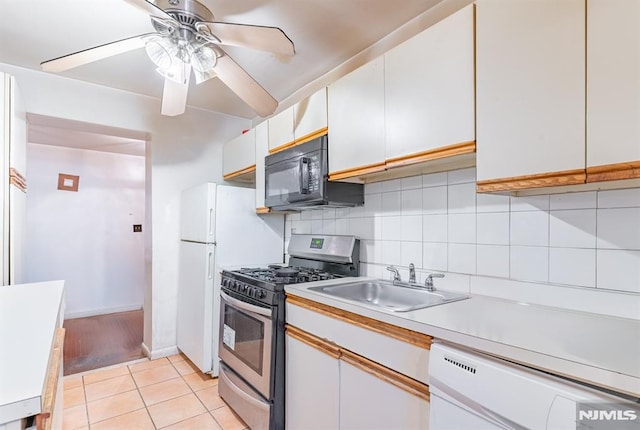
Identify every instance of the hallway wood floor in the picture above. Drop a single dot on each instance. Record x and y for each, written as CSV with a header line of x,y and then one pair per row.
x,y
102,340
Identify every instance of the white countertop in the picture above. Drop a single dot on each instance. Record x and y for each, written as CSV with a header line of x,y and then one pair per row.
x,y
28,320
597,349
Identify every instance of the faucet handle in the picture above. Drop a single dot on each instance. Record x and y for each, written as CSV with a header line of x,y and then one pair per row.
x,y
396,274
429,281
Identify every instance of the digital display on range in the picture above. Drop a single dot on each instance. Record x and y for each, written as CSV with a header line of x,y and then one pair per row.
x,y
317,243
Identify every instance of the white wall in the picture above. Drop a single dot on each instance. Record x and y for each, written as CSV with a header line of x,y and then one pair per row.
x,y
579,251
183,151
86,237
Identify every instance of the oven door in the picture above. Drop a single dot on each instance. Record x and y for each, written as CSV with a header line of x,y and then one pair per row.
x,y
294,180
245,341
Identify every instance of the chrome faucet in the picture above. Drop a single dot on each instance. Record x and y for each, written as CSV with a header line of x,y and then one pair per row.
x,y
428,283
396,274
412,273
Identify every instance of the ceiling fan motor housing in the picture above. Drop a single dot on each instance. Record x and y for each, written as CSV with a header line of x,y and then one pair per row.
x,y
186,12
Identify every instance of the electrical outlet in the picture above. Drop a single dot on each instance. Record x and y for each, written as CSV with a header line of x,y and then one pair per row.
x,y
137,228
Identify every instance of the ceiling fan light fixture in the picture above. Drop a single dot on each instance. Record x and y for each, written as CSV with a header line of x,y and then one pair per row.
x,y
203,58
177,72
159,51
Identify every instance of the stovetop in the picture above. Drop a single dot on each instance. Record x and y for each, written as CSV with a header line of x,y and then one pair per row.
x,y
287,275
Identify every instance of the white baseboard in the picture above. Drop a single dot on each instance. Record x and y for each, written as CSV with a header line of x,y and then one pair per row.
x,y
103,311
159,353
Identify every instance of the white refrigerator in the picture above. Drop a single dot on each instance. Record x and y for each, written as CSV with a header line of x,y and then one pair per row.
x,y
219,228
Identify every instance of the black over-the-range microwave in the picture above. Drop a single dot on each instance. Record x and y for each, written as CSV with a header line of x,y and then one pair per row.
x,y
297,178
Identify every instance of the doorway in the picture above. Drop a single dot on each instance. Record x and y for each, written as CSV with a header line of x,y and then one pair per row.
x,y
87,224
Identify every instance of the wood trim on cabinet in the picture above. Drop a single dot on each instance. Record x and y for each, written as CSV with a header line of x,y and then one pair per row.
x,y
313,341
412,337
263,210
300,140
614,172
432,154
44,419
240,172
410,385
357,171
17,179
552,179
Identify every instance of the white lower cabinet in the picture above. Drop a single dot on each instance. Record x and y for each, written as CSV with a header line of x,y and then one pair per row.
x,y
329,386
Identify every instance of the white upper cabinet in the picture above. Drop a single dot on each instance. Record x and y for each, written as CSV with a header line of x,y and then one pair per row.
x,y
613,82
262,150
356,119
530,89
310,116
281,130
429,88
239,158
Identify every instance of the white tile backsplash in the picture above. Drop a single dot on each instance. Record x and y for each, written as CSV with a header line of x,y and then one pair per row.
x,y
619,228
573,228
547,249
619,270
572,266
529,228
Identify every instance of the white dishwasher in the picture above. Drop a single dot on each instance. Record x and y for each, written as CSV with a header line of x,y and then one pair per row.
x,y
474,391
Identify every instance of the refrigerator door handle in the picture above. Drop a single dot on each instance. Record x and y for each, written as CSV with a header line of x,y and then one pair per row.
x,y
210,268
211,221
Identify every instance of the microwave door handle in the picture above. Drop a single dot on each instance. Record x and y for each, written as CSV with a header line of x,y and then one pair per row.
x,y
304,175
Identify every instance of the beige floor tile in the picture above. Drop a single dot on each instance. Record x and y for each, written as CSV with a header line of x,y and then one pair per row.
x,y
210,398
72,381
74,417
200,381
73,397
155,375
156,393
177,357
227,419
176,410
201,422
113,406
185,367
109,387
101,375
137,420
145,365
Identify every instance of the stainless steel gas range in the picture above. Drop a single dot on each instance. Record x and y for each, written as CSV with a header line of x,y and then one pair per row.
x,y
252,321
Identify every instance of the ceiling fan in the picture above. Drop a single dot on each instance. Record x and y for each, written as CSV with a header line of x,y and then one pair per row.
x,y
188,39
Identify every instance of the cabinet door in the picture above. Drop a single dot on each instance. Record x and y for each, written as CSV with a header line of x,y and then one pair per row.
x,y
613,89
310,117
429,90
262,150
239,157
356,119
369,402
312,385
281,130
530,83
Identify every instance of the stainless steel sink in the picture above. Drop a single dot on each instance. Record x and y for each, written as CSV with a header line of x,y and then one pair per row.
x,y
397,297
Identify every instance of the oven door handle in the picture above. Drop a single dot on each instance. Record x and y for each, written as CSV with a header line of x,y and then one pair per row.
x,y
245,306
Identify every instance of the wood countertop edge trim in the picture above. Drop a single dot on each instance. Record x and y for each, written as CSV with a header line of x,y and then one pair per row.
x,y
357,171
432,154
409,336
614,172
299,141
551,179
240,172
43,420
399,380
328,348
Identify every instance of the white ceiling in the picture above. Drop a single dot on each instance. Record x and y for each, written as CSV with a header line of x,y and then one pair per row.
x,y
326,33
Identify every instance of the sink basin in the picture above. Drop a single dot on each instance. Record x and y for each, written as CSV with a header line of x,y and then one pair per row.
x,y
390,296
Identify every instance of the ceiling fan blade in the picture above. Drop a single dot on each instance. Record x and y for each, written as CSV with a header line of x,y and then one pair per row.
x,y
245,86
270,39
96,53
174,96
150,8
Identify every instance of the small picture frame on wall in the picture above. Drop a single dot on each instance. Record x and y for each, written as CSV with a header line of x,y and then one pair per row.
x,y
68,182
